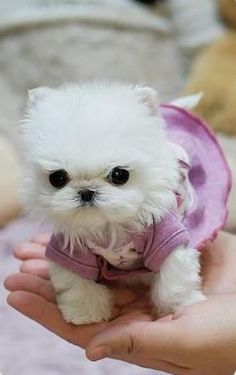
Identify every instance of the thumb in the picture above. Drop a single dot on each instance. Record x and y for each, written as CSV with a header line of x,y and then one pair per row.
x,y
157,340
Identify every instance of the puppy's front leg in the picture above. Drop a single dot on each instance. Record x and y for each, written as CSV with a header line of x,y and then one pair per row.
x,y
178,283
81,301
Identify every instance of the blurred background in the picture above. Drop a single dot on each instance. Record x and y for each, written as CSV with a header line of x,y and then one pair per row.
x,y
177,46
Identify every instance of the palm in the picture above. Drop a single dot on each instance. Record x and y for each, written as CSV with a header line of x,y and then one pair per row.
x,y
34,297
33,294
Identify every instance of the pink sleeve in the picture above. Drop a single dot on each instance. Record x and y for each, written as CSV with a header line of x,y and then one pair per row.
x,y
82,262
163,238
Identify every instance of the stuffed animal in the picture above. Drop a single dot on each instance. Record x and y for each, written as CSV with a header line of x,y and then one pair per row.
x,y
10,179
214,72
228,11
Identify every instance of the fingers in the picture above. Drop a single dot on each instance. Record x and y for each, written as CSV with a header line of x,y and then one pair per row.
x,y
136,344
40,310
36,267
150,340
140,361
47,314
33,257
29,250
34,249
42,238
30,283
159,365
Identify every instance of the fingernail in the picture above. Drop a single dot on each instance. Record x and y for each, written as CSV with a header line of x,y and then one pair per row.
x,y
98,353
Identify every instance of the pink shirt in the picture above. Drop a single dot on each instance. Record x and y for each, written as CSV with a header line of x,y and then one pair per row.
x,y
207,176
151,247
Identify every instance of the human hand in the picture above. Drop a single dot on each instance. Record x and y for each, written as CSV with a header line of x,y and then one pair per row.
x,y
198,339
33,295
134,317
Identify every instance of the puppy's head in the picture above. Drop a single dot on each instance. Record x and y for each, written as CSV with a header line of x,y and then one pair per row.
x,y
97,154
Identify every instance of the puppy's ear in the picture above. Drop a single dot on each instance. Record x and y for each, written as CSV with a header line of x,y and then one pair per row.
x,y
38,94
148,96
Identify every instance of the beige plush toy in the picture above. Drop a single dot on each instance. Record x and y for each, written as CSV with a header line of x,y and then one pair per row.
x,y
228,11
10,179
214,73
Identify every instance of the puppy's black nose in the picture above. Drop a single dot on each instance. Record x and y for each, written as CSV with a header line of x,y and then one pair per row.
x,y
87,195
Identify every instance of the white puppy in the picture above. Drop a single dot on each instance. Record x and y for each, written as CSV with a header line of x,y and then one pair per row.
x,y
100,167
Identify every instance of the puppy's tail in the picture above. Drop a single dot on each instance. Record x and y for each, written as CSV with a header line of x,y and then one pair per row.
x,y
188,102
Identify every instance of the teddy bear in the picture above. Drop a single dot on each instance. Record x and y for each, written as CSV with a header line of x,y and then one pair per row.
x,y
213,72
10,181
228,12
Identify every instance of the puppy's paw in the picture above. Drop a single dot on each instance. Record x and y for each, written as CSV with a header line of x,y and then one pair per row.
x,y
194,297
165,307
81,308
162,308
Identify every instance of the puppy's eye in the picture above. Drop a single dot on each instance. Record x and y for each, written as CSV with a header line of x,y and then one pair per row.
x,y
59,178
118,176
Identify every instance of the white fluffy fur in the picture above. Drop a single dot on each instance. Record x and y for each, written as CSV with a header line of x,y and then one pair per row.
x,y
87,130
178,282
81,301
